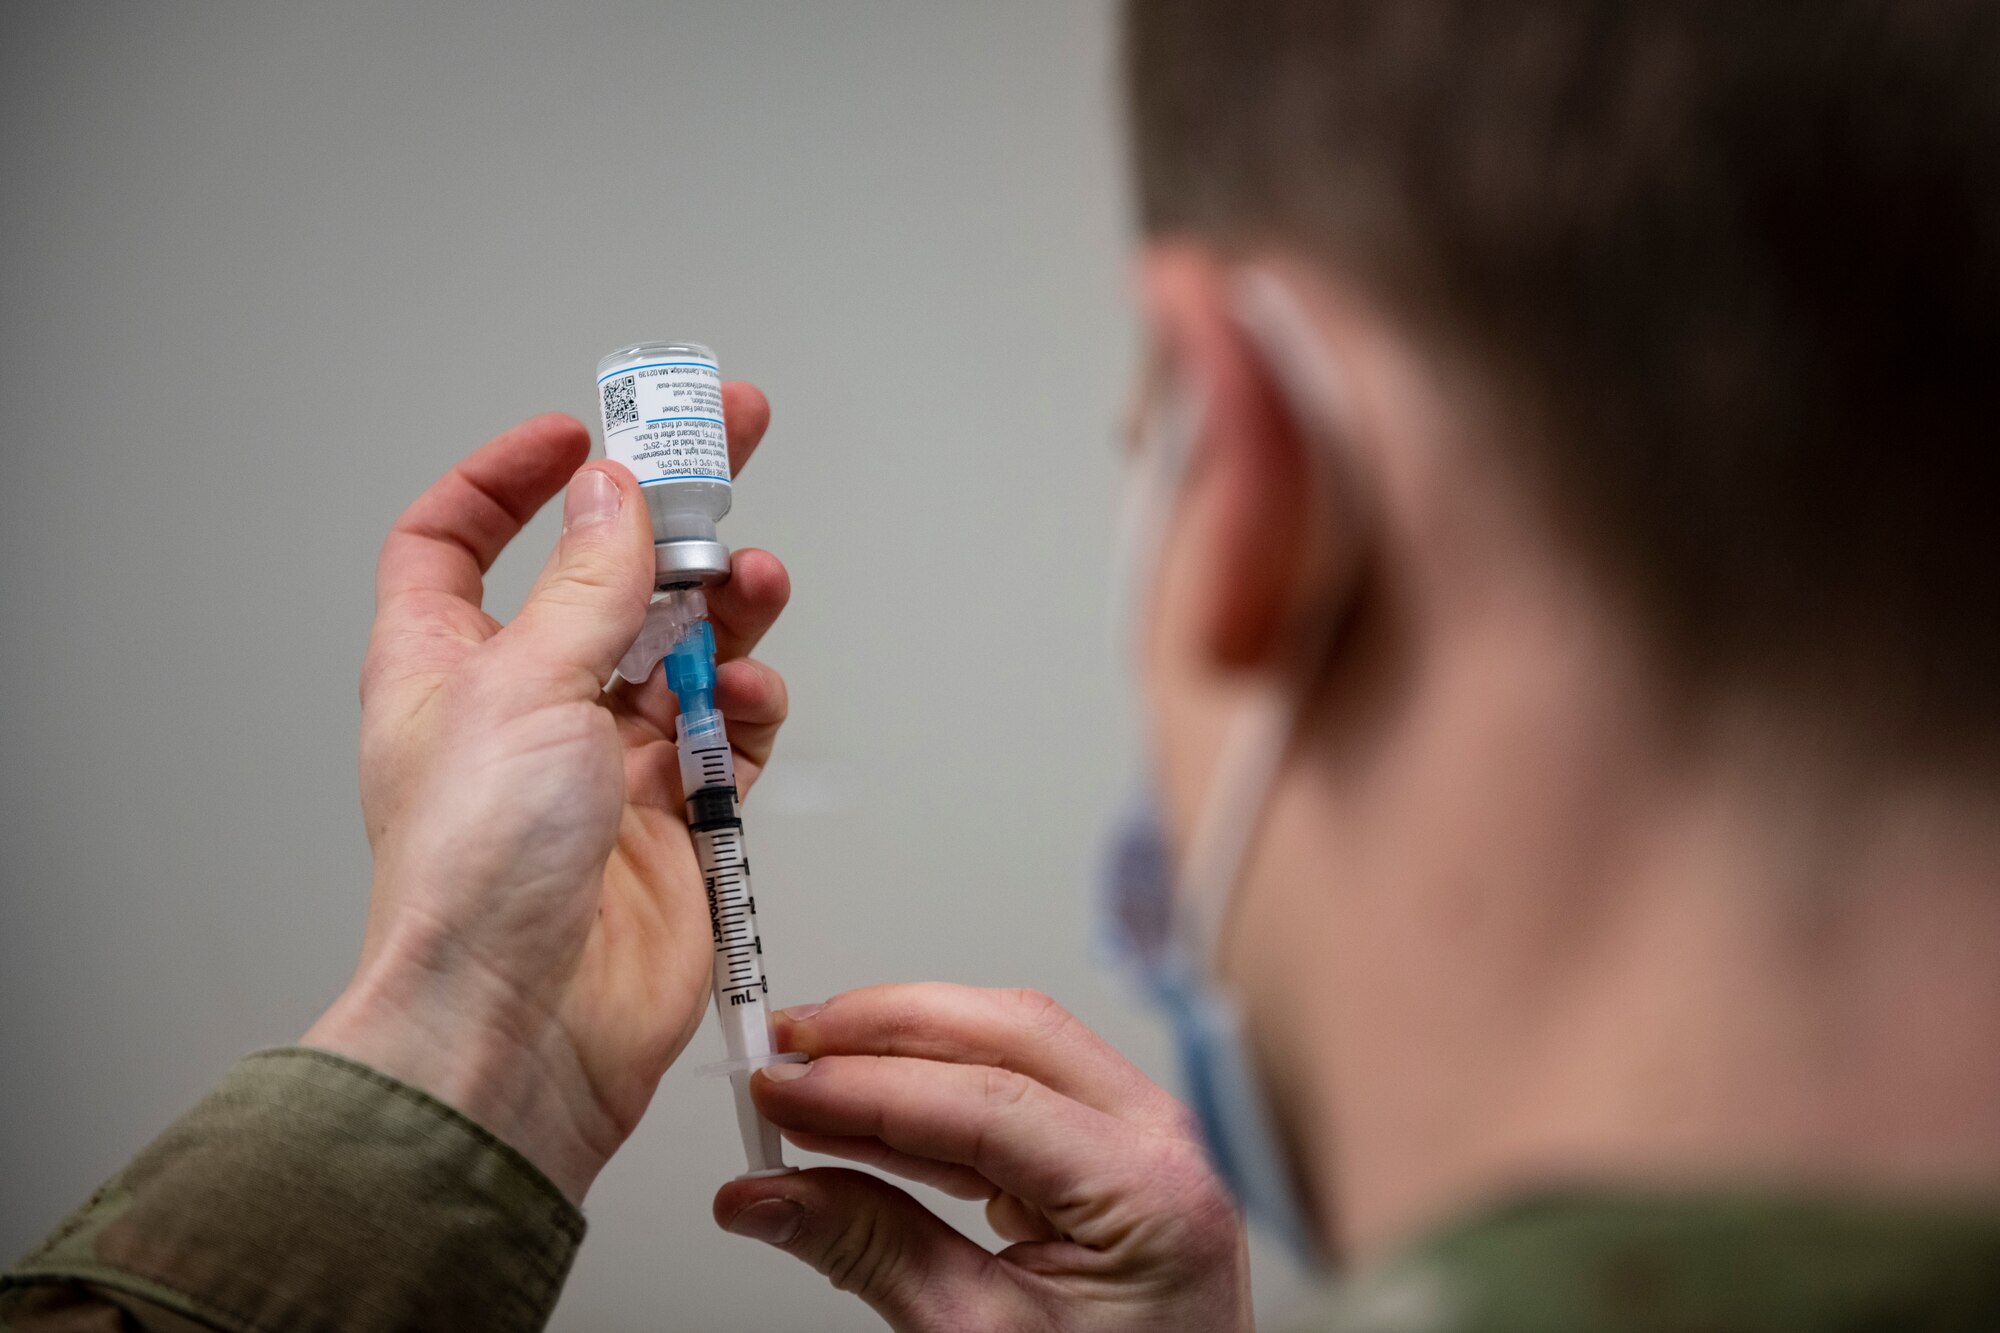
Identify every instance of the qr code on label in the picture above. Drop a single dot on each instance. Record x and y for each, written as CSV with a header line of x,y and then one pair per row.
x,y
621,401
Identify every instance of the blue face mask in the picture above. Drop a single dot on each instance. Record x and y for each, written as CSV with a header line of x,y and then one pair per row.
x,y
1219,1081
1162,914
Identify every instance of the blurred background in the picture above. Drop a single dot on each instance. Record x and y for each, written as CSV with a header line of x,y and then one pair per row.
x,y
270,268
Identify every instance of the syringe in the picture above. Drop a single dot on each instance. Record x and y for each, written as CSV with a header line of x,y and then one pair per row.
x,y
662,411
708,778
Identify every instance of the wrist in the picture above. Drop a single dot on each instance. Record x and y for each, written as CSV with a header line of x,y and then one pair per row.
x,y
511,1070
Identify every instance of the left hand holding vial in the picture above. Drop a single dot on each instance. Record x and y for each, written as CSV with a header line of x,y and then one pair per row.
x,y
537,949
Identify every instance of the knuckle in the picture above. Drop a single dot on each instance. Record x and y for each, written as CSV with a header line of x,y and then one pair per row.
x,y
1183,1171
864,1256
1001,1088
903,1018
1041,1013
1205,1216
781,695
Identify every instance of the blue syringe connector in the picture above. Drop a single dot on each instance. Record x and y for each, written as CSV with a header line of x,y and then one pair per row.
x,y
691,670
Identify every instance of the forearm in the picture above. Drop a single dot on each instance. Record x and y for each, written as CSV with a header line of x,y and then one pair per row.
x,y
308,1192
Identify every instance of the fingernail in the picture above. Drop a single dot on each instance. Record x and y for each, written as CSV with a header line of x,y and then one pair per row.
x,y
785,1073
773,1221
592,498
799,1013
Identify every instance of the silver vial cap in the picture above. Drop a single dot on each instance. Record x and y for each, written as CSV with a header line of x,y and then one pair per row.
x,y
689,561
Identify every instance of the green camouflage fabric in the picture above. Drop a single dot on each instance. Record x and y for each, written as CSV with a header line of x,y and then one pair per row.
x,y
306,1193
1693,1264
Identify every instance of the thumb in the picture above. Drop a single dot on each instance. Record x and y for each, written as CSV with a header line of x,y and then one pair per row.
x,y
588,605
870,1238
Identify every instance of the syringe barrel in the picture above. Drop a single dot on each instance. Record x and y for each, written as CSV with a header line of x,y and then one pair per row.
x,y
708,776
661,406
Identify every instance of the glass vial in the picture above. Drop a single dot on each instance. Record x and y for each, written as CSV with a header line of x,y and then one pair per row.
x,y
662,412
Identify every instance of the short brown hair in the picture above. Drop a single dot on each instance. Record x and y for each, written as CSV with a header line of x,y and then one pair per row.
x,y
1735,265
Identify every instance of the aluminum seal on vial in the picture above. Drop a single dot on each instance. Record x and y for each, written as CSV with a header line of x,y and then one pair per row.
x,y
662,411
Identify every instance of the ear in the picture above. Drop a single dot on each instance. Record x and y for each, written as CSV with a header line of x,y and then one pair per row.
x,y
1265,548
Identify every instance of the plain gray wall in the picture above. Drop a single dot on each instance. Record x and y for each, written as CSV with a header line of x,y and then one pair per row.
x,y
270,267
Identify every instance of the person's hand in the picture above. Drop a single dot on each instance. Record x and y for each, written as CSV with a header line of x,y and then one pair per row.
x,y
1092,1171
538,947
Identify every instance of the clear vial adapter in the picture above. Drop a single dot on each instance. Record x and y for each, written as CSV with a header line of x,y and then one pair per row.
x,y
661,406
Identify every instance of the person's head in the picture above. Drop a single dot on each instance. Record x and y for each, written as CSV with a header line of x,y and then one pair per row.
x,y
1596,405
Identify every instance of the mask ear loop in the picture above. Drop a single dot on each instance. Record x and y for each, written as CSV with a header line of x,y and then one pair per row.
x,y
1238,797
1151,500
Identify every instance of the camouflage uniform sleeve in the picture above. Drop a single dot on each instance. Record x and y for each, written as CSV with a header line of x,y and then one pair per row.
x,y
306,1192
1719,1261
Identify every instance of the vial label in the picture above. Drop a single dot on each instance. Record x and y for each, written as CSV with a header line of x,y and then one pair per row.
x,y
663,420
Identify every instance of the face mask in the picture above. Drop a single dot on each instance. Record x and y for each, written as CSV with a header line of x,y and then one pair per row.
x,y
1164,915
1218,1079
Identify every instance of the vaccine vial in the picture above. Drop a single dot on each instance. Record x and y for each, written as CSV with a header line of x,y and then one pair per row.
x,y
662,409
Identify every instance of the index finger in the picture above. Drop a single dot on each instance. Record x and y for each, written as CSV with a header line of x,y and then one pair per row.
x,y
1018,1134
451,534
742,609
746,414
1020,1030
